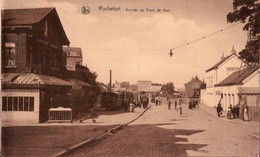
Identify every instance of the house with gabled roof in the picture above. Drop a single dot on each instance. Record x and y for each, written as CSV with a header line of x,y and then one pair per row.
x,y
33,65
193,87
242,84
215,74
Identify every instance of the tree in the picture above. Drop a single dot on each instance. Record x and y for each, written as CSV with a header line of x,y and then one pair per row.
x,y
125,84
168,87
247,11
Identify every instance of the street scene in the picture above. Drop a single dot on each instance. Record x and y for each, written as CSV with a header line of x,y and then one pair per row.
x,y
130,78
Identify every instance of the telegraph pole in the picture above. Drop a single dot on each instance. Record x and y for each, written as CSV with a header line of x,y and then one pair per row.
x,y
110,81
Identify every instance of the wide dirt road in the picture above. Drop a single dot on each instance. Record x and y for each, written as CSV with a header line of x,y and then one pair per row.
x,y
162,132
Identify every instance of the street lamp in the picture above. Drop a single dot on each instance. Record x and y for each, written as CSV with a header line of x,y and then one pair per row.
x,y
170,53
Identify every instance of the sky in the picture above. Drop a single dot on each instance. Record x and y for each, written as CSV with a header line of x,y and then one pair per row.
x,y
136,45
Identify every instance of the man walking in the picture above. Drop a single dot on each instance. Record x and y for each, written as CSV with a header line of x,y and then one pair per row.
x,y
219,109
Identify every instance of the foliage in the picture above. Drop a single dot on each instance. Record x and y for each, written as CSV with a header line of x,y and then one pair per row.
x,y
168,88
125,84
248,12
84,99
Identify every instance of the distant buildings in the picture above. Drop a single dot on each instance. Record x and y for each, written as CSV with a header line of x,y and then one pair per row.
x,y
156,88
193,87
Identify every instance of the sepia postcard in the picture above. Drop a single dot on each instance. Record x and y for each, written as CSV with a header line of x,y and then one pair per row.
x,y
130,78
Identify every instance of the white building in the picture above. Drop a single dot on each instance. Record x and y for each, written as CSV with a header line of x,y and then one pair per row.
x,y
240,81
217,73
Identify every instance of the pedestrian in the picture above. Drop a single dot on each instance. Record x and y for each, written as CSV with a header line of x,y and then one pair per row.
x,y
169,104
219,109
132,107
245,116
175,105
179,108
190,105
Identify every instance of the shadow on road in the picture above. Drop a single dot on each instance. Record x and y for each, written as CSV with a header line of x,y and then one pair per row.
x,y
144,140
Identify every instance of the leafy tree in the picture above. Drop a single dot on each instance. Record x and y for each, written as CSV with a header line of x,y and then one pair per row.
x,y
125,84
247,11
168,88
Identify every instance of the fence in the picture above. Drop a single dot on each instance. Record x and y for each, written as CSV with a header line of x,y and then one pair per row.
x,y
60,114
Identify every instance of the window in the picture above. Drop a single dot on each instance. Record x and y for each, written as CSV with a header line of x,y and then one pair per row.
x,y
4,104
10,55
18,103
10,103
26,104
15,103
31,104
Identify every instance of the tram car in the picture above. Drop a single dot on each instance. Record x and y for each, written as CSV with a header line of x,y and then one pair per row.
x,y
116,100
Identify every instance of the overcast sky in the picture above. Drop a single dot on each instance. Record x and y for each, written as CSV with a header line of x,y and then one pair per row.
x,y
135,45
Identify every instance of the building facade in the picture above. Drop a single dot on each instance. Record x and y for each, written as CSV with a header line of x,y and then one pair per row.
x,y
243,83
227,65
73,57
193,87
33,64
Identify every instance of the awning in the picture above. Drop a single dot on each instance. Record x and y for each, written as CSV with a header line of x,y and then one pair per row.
x,y
248,91
31,79
76,84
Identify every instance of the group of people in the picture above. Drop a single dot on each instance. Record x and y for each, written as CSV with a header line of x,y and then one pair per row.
x,y
179,108
158,101
193,104
234,111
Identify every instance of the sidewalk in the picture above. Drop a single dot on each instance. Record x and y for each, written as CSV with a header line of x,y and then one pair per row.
x,y
213,112
55,139
113,119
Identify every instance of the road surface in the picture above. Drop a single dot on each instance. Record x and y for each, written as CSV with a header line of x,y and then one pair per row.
x,y
162,132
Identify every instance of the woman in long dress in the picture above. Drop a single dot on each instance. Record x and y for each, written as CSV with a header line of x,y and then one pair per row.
x,y
245,113
179,109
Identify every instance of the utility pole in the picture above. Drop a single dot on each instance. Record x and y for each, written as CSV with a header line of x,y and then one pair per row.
x,y
110,81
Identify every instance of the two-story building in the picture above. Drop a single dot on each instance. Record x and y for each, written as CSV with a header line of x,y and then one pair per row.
x,y
242,84
214,75
33,64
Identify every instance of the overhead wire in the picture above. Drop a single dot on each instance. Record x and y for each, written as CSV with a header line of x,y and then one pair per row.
x,y
204,37
181,45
